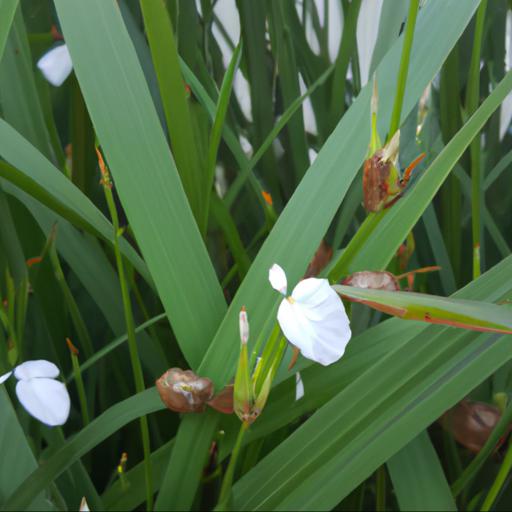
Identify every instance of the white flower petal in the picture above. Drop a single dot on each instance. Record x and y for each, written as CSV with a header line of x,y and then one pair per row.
x,y
56,65
277,278
4,377
315,321
84,506
244,326
299,387
45,399
35,369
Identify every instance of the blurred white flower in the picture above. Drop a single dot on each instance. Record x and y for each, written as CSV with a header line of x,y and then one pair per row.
x,y
312,318
56,65
299,387
43,397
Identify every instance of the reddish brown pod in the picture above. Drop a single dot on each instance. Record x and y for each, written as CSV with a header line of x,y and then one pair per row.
x,y
373,280
471,423
184,391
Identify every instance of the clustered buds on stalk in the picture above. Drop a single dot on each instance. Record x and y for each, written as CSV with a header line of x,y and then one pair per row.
x,y
383,183
251,391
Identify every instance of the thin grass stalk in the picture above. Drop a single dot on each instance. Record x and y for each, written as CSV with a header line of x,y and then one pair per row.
x,y
497,485
472,99
130,329
82,397
380,499
404,68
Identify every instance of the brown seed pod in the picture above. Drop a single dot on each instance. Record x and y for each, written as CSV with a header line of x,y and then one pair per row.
x,y
376,175
183,391
373,280
471,423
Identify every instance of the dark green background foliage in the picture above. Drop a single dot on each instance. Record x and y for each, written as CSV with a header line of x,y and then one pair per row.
x,y
153,88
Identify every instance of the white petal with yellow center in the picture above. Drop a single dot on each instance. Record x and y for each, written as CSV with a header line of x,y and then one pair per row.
x,y
314,320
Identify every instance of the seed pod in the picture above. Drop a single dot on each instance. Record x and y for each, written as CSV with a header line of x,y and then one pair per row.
x,y
471,423
183,391
376,176
373,280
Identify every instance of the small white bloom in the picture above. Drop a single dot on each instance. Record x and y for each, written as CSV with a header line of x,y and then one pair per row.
x,y
84,506
43,397
313,318
56,65
244,326
277,279
299,387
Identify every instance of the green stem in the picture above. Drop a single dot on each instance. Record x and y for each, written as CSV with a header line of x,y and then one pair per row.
x,y
132,345
472,99
380,501
227,483
79,386
404,68
500,479
341,267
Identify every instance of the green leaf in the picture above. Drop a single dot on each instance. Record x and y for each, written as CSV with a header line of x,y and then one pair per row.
x,y
34,174
98,430
8,9
418,478
18,460
172,91
474,315
128,129
19,97
218,123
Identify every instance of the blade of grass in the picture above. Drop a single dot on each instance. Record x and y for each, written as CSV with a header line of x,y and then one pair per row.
x,y
404,67
138,376
172,91
112,81
218,123
19,97
418,477
8,8
33,173
472,100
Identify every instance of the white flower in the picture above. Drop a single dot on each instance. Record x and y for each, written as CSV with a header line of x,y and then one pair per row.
x,y
43,397
56,65
313,318
299,387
